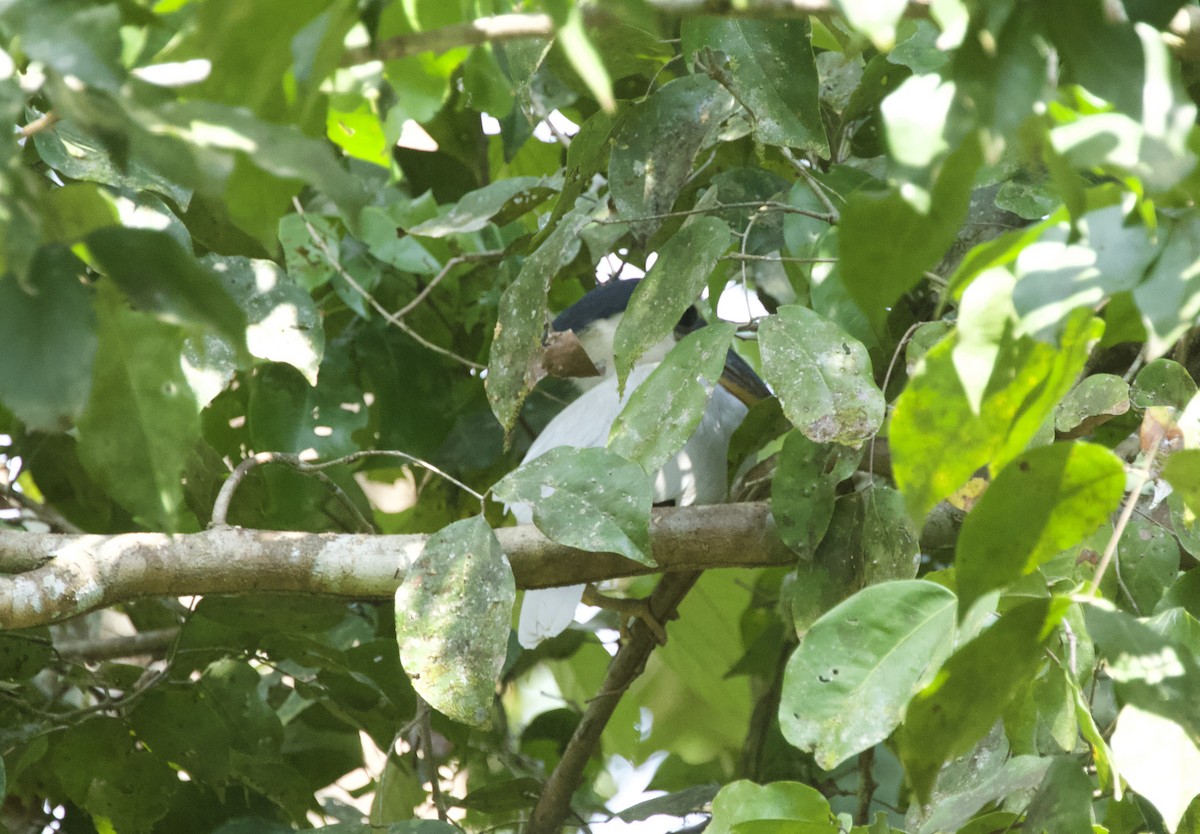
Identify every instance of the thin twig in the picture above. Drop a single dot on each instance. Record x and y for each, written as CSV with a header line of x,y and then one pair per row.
x,y
42,512
43,122
813,184
554,805
127,645
1141,476
225,496
761,205
866,785
887,377
425,734
319,242
775,259
466,257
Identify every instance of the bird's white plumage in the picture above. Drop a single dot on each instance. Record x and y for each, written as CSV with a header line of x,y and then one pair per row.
x,y
694,475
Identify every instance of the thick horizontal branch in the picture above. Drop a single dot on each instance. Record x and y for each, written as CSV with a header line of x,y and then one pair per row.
x,y
52,577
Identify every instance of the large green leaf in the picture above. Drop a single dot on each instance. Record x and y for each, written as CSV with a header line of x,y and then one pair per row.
x,y
846,687
51,332
769,66
453,611
822,377
499,202
671,286
786,806
591,499
1162,382
645,171
1041,503
512,364
665,410
804,488
969,692
1169,298
1025,383
142,418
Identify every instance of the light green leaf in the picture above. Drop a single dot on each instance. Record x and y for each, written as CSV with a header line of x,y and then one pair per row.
x,y
1095,400
1169,298
951,811
804,487
665,410
387,241
142,419
1159,760
1183,473
1063,802
585,58
1025,385
780,803
822,377
845,689
453,611
769,66
591,499
1163,382
645,172
1041,503
499,202
684,265
971,690
522,321
51,341
284,324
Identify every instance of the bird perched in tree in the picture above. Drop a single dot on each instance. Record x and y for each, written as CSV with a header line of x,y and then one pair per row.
x,y
696,474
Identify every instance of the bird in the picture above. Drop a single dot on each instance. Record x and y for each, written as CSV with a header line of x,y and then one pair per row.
x,y
695,475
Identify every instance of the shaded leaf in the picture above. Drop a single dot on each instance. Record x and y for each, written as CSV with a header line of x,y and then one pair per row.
x,y
822,377
1092,402
453,611
1162,382
845,689
804,487
500,202
591,499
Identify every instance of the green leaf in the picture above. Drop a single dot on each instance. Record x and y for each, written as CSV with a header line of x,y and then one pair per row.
x,y
453,611
1159,759
1162,382
1063,802
585,58
890,541
500,202
664,411
877,19
1056,275
47,372
951,811
969,692
769,66
284,324
804,488
846,688
1149,558
512,364
591,499
287,414
1169,298
1151,672
1025,384
822,377
161,278
780,803
1094,401
684,265
1183,473
74,39
646,173
142,419
1041,503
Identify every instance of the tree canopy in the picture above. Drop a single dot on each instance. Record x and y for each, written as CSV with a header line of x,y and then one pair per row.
x,y
275,279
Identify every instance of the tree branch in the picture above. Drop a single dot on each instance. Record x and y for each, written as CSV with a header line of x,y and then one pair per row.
x,y
54,577
554,803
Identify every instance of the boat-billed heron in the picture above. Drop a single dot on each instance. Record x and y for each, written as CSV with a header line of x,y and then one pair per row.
x,y
695,475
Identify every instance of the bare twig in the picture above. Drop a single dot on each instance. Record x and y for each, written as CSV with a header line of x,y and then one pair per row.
x,y
866,786
319,242
814,186
554,805
42,512
887,377
151,642
760,205
424,724
466,257
777,259
43,122
225,496
1141,476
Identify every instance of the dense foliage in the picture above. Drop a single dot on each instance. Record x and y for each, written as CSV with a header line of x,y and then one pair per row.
x,y
228,228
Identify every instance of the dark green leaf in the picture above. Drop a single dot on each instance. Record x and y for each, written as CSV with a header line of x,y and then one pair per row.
x,y
769,66
664,411
1041,503
822,377
591,499
1093,401
804,487
453,611
1162,382
47,373
671,286
846,687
